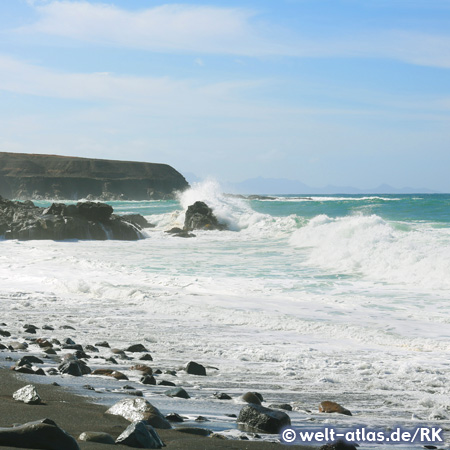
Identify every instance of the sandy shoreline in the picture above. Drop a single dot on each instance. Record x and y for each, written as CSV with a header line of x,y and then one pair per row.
x,y
75,415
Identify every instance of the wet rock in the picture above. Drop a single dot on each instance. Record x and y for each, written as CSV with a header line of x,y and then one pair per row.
x,y
74,367
166,383
221,396
43,434
5,333
96,436
69,341
157,372
48,327
146,357
102,344
177,392
252,397
52,371
29,360
142,368
136,348
140,435
201,419
18,345
158,421
110,373
174,417
148,379
194,368
91,348
49,351
138,220
67,327
258,418
43,343
200,216
23,369
111,360
332,407
119,353
30,330
3,347
283,406
28,395
133,409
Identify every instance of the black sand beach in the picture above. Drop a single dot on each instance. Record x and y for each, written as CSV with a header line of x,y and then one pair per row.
x,y
75,415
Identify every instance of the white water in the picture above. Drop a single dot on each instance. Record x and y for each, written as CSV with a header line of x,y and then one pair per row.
x,y
353,310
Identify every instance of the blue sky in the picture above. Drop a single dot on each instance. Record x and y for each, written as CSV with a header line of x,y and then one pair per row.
x,y
324,91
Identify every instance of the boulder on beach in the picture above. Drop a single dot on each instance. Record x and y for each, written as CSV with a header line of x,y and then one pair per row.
x,y
44,434
140,435
258,418
28,395
333,407
97,436
134,409
136,348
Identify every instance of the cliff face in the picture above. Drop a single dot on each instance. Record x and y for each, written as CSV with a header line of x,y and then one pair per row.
x,y
30,176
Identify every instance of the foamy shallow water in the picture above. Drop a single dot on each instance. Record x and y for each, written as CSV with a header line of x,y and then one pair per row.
x,y
351,308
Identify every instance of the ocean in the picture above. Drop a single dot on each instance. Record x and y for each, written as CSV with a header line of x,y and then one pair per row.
x,y
305,299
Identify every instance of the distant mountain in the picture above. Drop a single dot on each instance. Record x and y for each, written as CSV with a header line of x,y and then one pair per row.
x,y
280,186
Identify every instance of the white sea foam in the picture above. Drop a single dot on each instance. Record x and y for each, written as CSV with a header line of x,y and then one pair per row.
x,y
370,246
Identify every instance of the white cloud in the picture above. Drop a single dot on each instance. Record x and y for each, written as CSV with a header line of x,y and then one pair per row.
x,y
222,30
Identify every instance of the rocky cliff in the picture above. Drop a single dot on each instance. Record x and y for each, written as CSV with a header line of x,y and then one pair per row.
x,y
30,176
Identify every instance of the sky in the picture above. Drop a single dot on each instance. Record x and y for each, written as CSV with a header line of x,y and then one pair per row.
x,y
341,92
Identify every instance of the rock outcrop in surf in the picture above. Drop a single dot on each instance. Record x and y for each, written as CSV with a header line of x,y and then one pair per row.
x,y
32,176
88,220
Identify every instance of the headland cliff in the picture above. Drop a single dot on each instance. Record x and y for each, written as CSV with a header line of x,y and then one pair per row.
x,y
33,176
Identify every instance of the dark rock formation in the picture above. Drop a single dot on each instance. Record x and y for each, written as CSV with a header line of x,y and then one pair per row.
x,y
200,216
40,434
88,220
252,397
31,176
259,418
194,368
140,435
97,436
177,392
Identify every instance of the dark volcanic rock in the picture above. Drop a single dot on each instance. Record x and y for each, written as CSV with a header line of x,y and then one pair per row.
x,y
26,176
177,392
86,220
140,435
40,434
194,368
97,436
74,367
258,418
252,397
136,348
200,216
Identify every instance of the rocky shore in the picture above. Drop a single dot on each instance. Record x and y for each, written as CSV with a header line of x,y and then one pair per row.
x,y
38,361
85,220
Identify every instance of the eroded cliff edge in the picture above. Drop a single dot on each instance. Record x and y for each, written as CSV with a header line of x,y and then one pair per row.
x,y
32,176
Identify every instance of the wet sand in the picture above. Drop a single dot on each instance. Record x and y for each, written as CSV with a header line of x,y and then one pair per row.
x,y
75,414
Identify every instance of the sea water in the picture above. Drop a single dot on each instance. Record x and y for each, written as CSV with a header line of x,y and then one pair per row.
x,y
304,299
